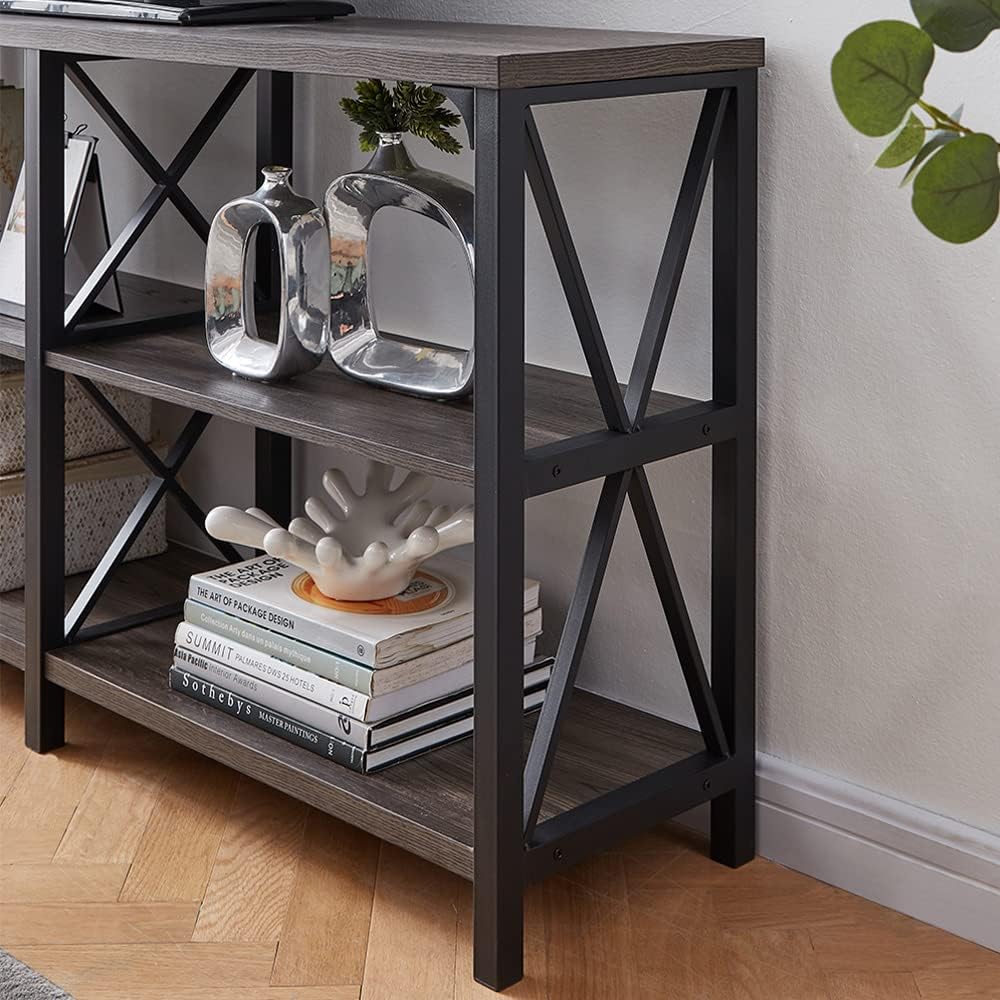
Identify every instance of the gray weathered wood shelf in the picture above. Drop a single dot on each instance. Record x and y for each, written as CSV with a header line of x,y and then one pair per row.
x,y
458,55
147,303
424,805
325,407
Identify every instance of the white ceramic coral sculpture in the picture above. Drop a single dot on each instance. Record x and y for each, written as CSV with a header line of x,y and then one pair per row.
x,y
363,547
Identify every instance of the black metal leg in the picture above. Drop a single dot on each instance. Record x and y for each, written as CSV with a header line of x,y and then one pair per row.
x,y
275,141
499,548
734,465
44,402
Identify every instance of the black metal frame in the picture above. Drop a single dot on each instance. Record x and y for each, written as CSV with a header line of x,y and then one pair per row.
x,y
511,845
44,396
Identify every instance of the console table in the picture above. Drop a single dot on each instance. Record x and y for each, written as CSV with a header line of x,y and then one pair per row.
x,y
536,796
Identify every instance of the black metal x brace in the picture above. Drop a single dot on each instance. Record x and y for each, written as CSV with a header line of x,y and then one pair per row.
x,y
624,414
164,481
166,179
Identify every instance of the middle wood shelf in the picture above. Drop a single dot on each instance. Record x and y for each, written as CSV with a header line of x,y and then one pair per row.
x,y
327,408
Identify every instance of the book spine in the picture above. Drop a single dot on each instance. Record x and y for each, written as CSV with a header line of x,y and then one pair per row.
x,y
272,671
294,706
263,718
235,602
316,661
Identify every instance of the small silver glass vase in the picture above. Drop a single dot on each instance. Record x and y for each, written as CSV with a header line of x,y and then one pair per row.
x,y
304,253
357,346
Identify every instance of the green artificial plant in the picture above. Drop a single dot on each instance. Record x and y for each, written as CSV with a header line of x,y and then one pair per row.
x,y
879,76
402,108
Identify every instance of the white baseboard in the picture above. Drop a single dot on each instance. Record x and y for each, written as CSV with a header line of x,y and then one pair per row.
x,y
934,869
916,862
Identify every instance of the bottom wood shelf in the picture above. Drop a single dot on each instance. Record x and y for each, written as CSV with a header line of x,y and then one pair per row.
x,y
424,805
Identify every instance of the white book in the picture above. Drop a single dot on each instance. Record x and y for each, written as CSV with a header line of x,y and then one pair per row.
x,y
360,734
366,680
321,690
434,611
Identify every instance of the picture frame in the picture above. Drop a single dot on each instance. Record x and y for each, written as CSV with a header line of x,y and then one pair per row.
x,y
11,142
87,234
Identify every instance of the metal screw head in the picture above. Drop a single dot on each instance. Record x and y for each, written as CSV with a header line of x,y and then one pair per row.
x,y
707,784
556,470
706,429
558,854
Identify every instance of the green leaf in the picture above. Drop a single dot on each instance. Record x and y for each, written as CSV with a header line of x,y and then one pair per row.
x,y
957,25
879,74
957,195
938,141
905,146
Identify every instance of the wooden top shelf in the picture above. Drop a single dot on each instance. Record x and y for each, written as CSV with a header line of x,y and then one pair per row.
x,y
461,55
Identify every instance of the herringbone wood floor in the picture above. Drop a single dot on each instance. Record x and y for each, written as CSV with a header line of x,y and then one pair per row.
x,y
133,869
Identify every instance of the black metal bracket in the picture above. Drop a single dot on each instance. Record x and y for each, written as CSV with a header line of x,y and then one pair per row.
x,y
163,481
166,180
620,454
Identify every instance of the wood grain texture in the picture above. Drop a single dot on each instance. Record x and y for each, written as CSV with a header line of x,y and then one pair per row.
x,y
116,805
469,55
774,965
96,923
675,947
877,986
411,949
180,842
324,939
254,873
143,300
45,794
902,945
645,922
222,993
13,752
978,981
80,969
11,346
327,408
51,883
586,935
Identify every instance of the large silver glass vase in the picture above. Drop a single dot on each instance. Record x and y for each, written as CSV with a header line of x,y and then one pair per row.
x,y
304,252
359,348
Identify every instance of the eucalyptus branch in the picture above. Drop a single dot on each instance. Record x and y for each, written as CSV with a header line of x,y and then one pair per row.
x,y
942,121
879,77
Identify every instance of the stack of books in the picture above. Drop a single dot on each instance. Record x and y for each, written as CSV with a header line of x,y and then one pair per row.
x,y
366,684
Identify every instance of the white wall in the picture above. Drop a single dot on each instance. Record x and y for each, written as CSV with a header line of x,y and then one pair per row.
x,y
879,365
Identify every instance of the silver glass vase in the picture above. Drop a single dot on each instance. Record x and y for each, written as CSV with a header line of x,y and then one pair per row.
x,y
392,180
304,253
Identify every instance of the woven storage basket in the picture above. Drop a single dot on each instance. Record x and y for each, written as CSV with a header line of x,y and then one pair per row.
x,y
100,493
87,432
